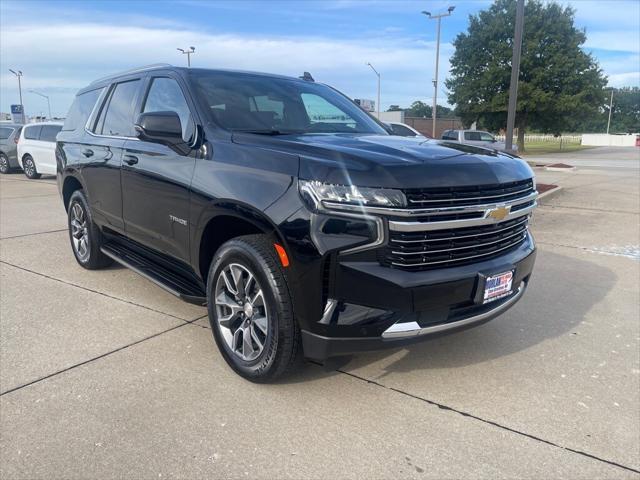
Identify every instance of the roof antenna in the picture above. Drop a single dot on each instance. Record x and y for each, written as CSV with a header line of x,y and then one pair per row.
x,y
307,76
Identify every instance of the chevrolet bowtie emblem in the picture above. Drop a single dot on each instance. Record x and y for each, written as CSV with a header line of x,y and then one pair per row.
x,y
498,214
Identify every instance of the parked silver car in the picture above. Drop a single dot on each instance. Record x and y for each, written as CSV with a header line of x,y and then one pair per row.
x,y
9,135
475,137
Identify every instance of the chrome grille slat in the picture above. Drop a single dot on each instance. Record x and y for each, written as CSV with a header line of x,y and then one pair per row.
x,y
456,237
426,252
459,259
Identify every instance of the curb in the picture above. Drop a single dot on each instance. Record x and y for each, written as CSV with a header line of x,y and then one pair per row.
x,y
550,193
560,169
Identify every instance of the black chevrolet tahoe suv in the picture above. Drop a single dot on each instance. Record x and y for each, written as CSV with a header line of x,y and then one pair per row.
x,y
305,227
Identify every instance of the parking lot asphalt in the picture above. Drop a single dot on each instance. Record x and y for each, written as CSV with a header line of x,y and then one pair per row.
x,y
103,374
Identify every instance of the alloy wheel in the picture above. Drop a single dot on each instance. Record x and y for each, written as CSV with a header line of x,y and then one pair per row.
x,y
79,232
4,164
29,167
241,311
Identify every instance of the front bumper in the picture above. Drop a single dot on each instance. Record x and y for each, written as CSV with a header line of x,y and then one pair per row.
x,y
378,307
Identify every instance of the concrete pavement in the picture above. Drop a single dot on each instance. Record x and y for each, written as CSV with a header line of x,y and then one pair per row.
x,y
599,158
103,374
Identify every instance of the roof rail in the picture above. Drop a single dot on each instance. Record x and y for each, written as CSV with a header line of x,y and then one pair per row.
x,y
133,70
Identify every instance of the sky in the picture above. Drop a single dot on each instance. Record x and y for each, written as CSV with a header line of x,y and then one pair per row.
x,y
62,46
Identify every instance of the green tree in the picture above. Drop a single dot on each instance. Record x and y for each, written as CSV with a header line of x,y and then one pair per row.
x,y
625,115
418,109
559,84
421,109
394,108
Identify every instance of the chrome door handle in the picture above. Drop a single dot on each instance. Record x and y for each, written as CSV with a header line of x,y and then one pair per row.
x,y
130,159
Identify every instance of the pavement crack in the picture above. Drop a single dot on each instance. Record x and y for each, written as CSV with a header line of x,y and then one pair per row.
x,y
589,209
103,355
32,234
97,292
490,422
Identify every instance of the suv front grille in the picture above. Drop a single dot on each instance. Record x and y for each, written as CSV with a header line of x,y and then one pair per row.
x,y
459,225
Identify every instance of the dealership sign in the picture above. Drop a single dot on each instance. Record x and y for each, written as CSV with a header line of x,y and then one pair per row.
x,y
17,113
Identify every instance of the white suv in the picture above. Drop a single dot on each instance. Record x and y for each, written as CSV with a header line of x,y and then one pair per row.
x,y
37,149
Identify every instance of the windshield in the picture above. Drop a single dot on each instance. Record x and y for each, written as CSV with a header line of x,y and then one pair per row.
x,y
269,105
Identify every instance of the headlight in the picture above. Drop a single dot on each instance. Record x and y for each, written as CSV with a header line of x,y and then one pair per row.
x,y
324,194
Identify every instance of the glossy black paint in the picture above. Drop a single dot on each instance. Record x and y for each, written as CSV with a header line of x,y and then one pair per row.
x,y
161,201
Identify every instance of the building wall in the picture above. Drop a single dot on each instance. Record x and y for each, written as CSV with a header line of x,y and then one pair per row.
x,y
391,116
424,125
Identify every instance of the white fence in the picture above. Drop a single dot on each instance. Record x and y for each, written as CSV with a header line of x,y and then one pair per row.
x,y
537,138
604,140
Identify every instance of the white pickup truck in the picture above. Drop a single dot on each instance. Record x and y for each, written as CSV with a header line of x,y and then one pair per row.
x,y
475,137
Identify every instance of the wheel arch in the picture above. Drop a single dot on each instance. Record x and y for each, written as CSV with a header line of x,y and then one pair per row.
x,y
222,225
71,184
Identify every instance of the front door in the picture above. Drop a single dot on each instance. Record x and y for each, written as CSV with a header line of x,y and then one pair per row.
x,y
156,179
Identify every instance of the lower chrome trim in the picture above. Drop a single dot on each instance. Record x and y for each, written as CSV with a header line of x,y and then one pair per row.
x,y
413,329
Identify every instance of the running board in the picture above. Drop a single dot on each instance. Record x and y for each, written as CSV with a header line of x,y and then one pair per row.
x,y
179,286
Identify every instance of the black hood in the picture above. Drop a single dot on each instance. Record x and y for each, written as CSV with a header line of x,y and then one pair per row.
x,y
392,161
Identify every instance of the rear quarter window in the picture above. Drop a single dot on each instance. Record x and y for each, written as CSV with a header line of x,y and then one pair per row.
x,y
81,109
32,133
5,132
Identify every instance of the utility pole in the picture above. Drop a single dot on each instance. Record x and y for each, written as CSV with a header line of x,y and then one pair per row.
x,y
610,108
188,54
19,75
378,104
45,96
515,73
435,80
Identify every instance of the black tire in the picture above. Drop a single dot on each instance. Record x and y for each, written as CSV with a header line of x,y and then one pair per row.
x,y
29,167
90,257
4,164
281,344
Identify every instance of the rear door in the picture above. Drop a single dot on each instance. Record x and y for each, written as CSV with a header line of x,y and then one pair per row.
x,y
156,178
109,131
47,146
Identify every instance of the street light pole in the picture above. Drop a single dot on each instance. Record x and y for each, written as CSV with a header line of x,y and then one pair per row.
x,y
610,108
188,54
378,104
515,73
19,75
435,80
45,96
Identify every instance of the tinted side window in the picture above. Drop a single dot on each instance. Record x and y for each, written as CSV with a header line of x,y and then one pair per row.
x,y
32,133
473,136
402,131
165,95
5,132
81,109
49,132
119,117
450,136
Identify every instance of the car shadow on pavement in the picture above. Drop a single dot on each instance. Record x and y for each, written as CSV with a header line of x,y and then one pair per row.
x,y
562,290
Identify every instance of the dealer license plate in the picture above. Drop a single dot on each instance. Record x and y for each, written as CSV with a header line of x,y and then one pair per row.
x,y
498,286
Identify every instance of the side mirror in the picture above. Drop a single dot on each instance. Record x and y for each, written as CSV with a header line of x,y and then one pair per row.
x,y
159,127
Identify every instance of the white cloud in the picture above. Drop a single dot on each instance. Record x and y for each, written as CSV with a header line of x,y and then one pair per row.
x,y
72,55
